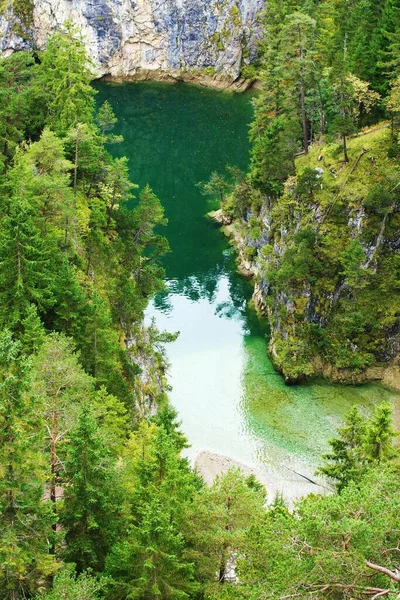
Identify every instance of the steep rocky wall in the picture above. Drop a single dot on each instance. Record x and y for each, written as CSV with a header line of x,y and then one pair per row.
x,y
135,38
324,257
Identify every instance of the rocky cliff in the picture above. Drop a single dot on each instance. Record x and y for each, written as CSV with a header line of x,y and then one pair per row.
x,y
140,39
325,262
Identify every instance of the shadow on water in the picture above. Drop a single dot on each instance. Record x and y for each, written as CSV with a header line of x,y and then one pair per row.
x,y
229,397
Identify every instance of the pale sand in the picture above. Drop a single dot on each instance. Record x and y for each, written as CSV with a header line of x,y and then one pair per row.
x,y
292,485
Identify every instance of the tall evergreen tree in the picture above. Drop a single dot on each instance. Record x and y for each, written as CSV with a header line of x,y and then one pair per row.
x,y
149,562
15,76
346,461
91,511
218,520
26,265
62,85
380,435
62,386
25,517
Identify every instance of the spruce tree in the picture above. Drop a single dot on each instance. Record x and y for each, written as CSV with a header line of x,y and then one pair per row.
x,y
346,461
15,76
25,516
379,435
149,562
91,504
62,85
26,265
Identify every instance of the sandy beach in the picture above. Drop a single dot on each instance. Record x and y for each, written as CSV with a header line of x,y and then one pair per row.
x,y
291,484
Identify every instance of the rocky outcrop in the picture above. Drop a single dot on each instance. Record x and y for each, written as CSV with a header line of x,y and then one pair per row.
x,y
137,39
325,264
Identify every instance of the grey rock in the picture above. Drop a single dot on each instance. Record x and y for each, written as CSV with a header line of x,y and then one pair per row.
x,y
128,37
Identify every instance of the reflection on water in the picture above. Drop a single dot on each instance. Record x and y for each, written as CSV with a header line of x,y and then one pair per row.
x,y
230,399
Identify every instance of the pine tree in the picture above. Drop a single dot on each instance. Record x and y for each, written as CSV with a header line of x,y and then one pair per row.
x,y
298,33
141,248
25,518
32,331
346,461
379,435
15,75
26,265
149,562
101,346
62,387
218,520
91,504
62,85
40,174
275,130
166,418
113,420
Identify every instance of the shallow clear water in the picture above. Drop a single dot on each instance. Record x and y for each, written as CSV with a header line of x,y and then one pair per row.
x,y
230,399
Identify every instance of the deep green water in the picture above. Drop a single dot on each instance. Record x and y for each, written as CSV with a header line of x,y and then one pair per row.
x,y
230,399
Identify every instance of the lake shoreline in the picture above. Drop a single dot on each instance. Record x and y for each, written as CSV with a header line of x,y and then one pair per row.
x,y
210,465
215,81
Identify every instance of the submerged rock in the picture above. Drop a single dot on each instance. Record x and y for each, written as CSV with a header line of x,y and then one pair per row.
x,y
149,39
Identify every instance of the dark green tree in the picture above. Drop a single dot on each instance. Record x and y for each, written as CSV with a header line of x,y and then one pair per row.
x,y
91,510
15,76
25,517
62,84
346,462
149,562
26,265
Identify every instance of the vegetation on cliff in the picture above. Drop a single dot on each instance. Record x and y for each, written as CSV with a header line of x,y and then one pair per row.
x,y
319,209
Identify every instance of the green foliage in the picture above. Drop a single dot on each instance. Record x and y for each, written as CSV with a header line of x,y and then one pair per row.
x,y
361,443
322,548
346,462
91,509
62,87
149,561
15,77
379,435
67,586
219,518
25,519
26,265
79,258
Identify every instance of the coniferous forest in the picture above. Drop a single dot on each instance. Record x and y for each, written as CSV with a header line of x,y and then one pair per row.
x,y
96,500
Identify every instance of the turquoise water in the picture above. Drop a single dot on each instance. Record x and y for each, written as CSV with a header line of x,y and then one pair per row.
x,y
230,399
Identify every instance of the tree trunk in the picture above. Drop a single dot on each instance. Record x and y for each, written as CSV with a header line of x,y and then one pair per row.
x,y
303,99
76,162
53,460
346,156
222,570
304,118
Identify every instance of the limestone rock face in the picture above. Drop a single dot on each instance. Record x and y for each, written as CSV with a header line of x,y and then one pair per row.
x,y
132,38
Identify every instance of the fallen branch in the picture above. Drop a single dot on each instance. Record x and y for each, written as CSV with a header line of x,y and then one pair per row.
x,y
360,590
379,594
395,575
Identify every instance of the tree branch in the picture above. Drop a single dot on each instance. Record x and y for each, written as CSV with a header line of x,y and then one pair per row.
x,y
395,575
